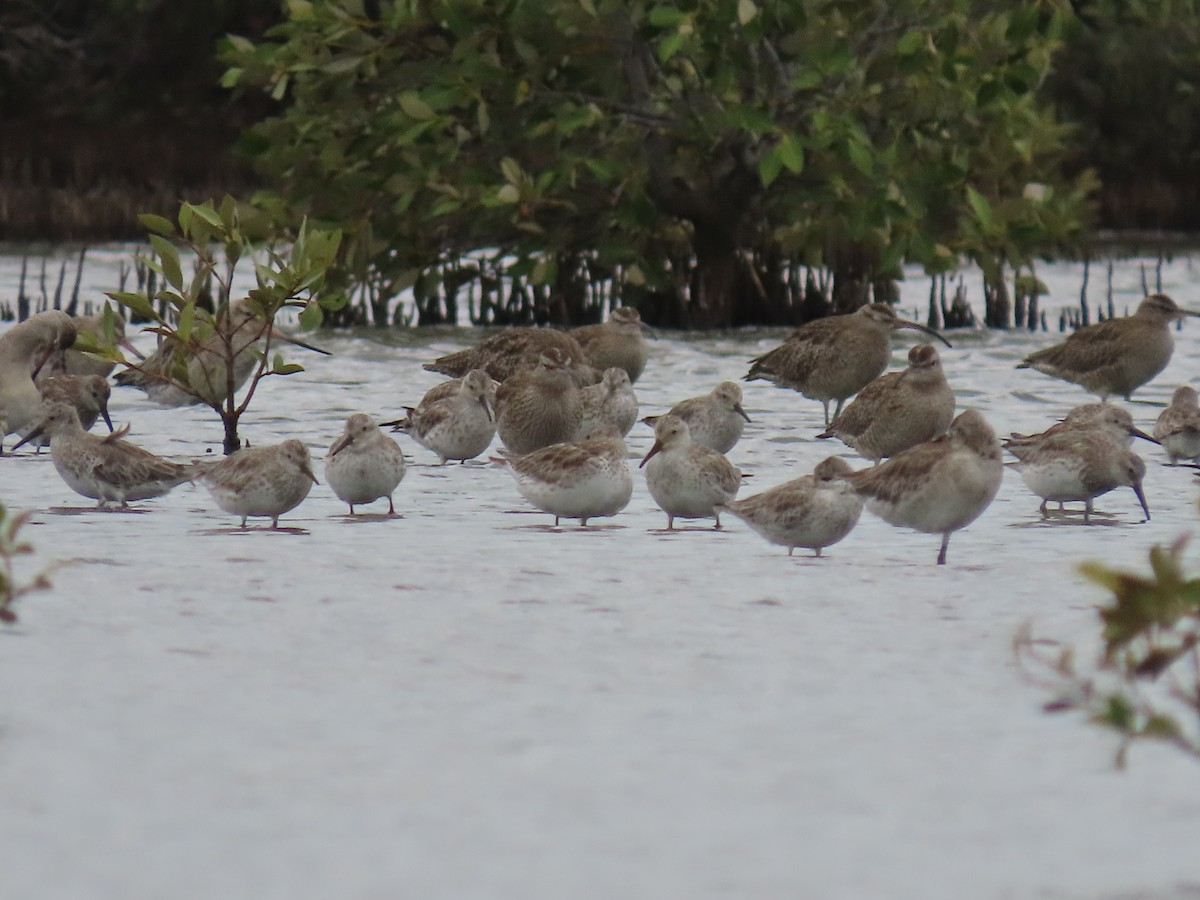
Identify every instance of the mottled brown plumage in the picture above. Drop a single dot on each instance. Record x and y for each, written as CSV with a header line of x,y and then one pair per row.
x,y
617,343
814,511
1116,356
1178,426
260,481
897,410
576,479
611,402
716,419
1079,465
454,419
513,350
24,350
940,486
106,469
88,394
835,357
540,407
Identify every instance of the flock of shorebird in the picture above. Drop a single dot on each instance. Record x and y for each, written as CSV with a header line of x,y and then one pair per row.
x,y
562,404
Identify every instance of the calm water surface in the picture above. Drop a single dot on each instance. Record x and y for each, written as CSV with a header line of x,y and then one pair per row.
x,y
465,702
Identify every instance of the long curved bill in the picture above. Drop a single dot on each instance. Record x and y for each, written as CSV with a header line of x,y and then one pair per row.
x,y
1137,489
917,326
653,450
279,335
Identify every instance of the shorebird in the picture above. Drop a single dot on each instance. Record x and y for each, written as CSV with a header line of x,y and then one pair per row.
x,y
575,480
178,374
24,350
687,480
514,350
611,402
940,486
106,469
1178,426
1106,419
897,410
537,408
835,357
260,481
88,394
813,511
1079,465
76,362
1116,356
364,464
715,419
619,342
457,423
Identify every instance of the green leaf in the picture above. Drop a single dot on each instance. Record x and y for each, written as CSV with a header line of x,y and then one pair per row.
x,y
138,304
770,166
791,154
311,317
671,45
981,208
168,256
510,193
414,107
665,16
158,224
911,42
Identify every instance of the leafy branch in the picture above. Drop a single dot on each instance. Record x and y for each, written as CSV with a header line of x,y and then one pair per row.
x,y
11,546
1146,682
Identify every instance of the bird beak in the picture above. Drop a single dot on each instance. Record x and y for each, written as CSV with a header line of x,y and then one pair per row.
x,y
916,326
44,358
345,441
1138,433
36,433
107,419
657,446
650,331
487,407
1137,489
309,472
279,335
737,408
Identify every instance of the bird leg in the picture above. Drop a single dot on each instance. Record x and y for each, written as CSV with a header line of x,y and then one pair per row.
x,y
942,553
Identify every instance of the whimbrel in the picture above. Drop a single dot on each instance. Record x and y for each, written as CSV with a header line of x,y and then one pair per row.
x,y
835,357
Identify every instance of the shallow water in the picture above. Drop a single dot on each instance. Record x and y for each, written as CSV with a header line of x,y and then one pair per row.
x,y
465,702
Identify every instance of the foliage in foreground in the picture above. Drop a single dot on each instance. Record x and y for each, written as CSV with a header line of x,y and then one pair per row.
x,y
202,340
11,546
1145,685
694,158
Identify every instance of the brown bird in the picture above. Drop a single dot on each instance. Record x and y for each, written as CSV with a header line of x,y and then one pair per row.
x,y
716,419
940,486
618,343
835,357
1178,426
88,394
1116,356
540,407
513,350
897,410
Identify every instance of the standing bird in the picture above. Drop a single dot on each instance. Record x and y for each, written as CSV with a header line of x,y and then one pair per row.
x,y
611,402
260,481
24,351
88,394
457,423
619,342
76,362
106,469
1079,465
577,479
687,480
897,410
1107,419
510,351
940,486
813,511
541,407
715,419
1116,356
835,357
1178,426
186,374
364,464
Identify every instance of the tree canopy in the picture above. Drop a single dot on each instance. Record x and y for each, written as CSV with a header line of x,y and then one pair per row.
x,y
695,158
